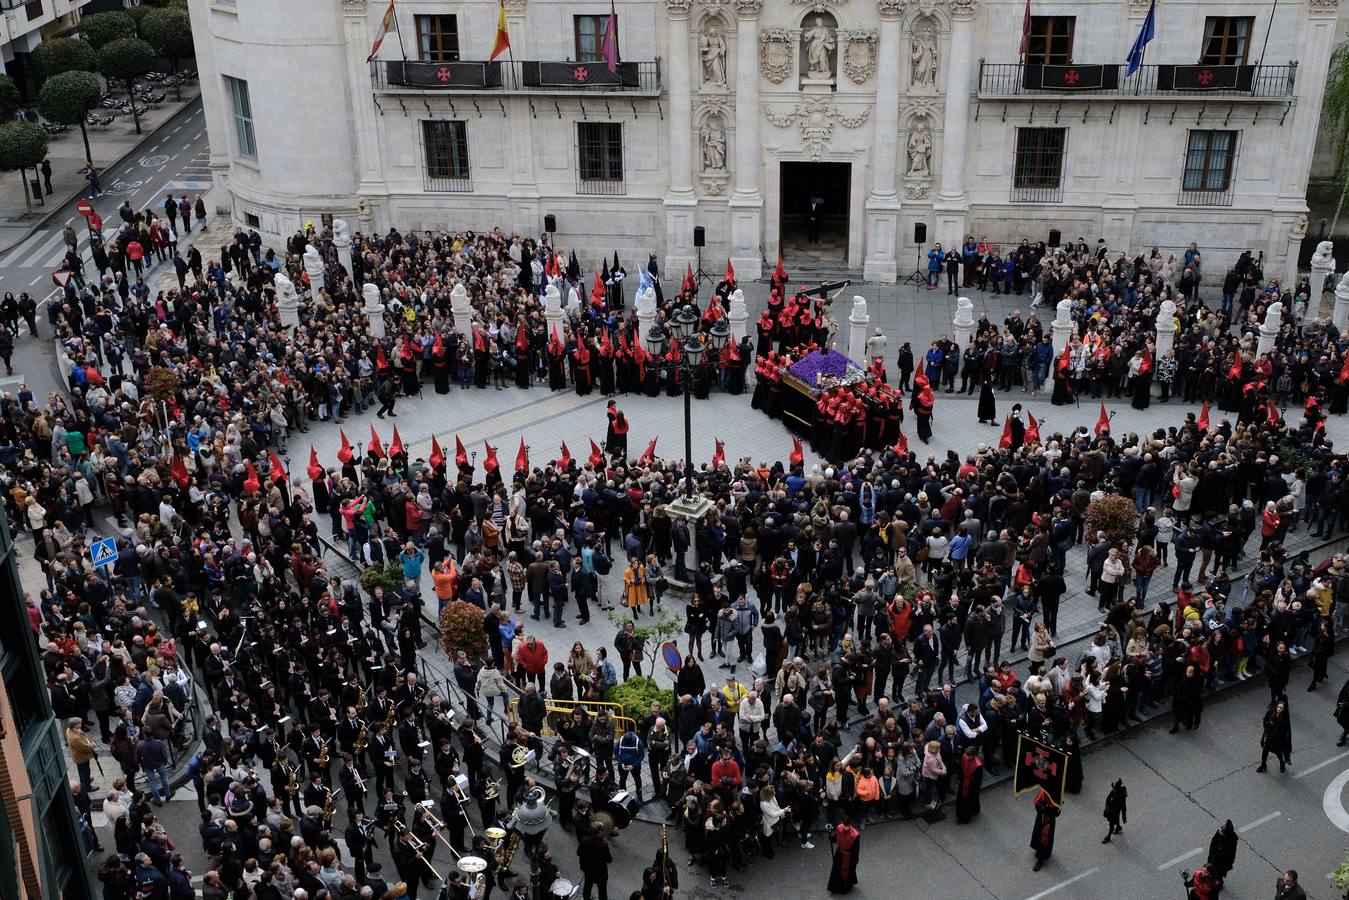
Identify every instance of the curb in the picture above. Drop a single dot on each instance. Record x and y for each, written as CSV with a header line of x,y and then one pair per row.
x,y
45,220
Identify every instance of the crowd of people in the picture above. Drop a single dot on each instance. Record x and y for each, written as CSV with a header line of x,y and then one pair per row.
x,y
855,592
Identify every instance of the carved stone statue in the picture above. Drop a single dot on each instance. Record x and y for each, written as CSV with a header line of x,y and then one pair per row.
x,y
1299,229
1063,312
645,303
920,152
1166,316
1325,252
460,308
552,302
713,138
1273,317
923,59
820,42
314,267
285,291
964,312
712,49
341,233
371,295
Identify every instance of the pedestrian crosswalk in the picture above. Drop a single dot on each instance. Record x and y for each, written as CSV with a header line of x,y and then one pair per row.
x,y
34,259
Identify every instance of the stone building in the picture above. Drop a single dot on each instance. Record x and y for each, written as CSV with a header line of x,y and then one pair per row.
x,y
895,122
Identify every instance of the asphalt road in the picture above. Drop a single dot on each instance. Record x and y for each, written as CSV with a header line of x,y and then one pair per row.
x,y
172,159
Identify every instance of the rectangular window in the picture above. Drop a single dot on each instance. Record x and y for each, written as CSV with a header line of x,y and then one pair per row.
x,y
446,146
1226,40
1051,40
33,10
1208,162
590,37
600,157
437,38
243,117
1037,174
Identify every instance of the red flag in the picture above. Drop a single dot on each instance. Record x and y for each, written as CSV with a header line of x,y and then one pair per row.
x,y
1005,442
688,284
902,445
1102,421
314,469
522,457
730,271
344,454
278,472
501,41
460,453
490,463
798,454
1025,30
1272,412
437,458
719,454
1202,421
180,473
1344,371
649,455
565,461
1234,374
381,360
596,455
1032,429
251,484
376,449
396,446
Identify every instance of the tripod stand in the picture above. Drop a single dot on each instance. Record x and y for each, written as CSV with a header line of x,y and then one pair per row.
x,y
700,276
917,276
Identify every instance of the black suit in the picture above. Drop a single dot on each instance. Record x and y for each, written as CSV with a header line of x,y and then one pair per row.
x,y
925,653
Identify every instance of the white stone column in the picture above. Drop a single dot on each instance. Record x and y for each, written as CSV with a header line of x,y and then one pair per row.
x,y
460,308
1269,329
646,312
952,202
737,315
746,201
882,209
1166,328
374,309
1062,326
963,323
357,29
1322,265
681,205
342,244
857,330
1341,315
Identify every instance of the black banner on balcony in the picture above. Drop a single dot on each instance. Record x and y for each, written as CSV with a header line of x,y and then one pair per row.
x,y
577,74
1038,77
451,75
1205,78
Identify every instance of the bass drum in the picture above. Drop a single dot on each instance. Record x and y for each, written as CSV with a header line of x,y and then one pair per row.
x,y
623,807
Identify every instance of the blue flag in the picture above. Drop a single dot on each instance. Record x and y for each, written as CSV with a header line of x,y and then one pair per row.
x,y
644,280
1145,34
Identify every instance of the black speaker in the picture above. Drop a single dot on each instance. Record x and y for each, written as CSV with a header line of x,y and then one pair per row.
x,y
920,232
699,236
1055,237
550,223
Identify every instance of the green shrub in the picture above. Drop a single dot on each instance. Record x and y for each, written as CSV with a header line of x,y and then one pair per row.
x,y
461,629
390,576
637,694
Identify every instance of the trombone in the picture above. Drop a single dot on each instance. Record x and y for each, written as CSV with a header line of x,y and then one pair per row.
x,y
417,845
459,787
437,826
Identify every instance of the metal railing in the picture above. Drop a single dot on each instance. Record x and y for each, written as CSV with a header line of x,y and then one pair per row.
x,y
1204,198
1268,82
637,79
565,708
1037,194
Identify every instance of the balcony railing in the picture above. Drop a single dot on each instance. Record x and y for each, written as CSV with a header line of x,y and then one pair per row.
x,y
640,79
1000,81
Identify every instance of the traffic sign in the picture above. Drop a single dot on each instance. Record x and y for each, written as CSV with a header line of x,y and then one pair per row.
x,y
84,208
103,553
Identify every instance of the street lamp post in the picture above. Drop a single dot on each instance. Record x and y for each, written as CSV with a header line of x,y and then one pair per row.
x,y
690,345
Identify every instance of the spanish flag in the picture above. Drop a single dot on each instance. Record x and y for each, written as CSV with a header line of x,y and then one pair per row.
x,y
384,25
502,42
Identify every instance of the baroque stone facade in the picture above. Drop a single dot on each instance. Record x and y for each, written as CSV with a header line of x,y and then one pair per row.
x,y
902,111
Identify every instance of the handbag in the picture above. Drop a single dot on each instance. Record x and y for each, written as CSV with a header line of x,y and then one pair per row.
x,y
638,655
491,534
921,555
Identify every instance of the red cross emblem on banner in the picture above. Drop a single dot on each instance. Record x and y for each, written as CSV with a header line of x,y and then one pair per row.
x,y
580,73
1206,77
1040,762
1071,76
443,73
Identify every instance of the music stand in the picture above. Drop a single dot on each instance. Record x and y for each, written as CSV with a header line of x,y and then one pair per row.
x,y
917,277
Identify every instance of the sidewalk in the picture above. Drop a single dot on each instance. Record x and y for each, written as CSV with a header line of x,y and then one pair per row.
x,y
109,145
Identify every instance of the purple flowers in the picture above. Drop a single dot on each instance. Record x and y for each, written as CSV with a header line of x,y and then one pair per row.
x,y
829,363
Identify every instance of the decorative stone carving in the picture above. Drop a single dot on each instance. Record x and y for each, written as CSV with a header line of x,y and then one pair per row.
x,y
920,153
714,183
964,10
677,8
1323,7
1273,317
353,6
890,9
776,52
816,117
314,267
915,191
1325,252
923,62
1139,7
820,5
1299,229
820,42
712,138
712,52
860,49
516,7
748,9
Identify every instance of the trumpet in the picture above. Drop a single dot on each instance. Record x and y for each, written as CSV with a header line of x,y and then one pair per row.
x,y
418,845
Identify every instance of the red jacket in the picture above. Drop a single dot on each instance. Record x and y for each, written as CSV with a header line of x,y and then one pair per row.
x,y
725,773
533,660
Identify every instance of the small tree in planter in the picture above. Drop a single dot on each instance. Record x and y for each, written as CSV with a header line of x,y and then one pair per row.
x,y
390,577
1116,516
653,632
637,694
461,629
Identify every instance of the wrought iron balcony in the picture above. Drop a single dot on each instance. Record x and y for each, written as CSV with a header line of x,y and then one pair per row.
x,y
632,79
1030,81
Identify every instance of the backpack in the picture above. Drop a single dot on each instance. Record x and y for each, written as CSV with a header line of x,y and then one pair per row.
x,y
603,564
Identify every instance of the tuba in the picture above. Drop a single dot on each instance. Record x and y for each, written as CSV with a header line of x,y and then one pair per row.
x,y
475,867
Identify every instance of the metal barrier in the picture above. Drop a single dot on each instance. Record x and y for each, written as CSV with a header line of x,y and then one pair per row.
x,y
567,707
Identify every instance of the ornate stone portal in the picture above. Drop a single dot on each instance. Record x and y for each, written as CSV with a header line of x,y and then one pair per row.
x,y
816,117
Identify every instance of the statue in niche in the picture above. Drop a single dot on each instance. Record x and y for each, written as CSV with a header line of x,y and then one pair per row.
x,y
923,59
920,153
713,138
712,49
820,42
